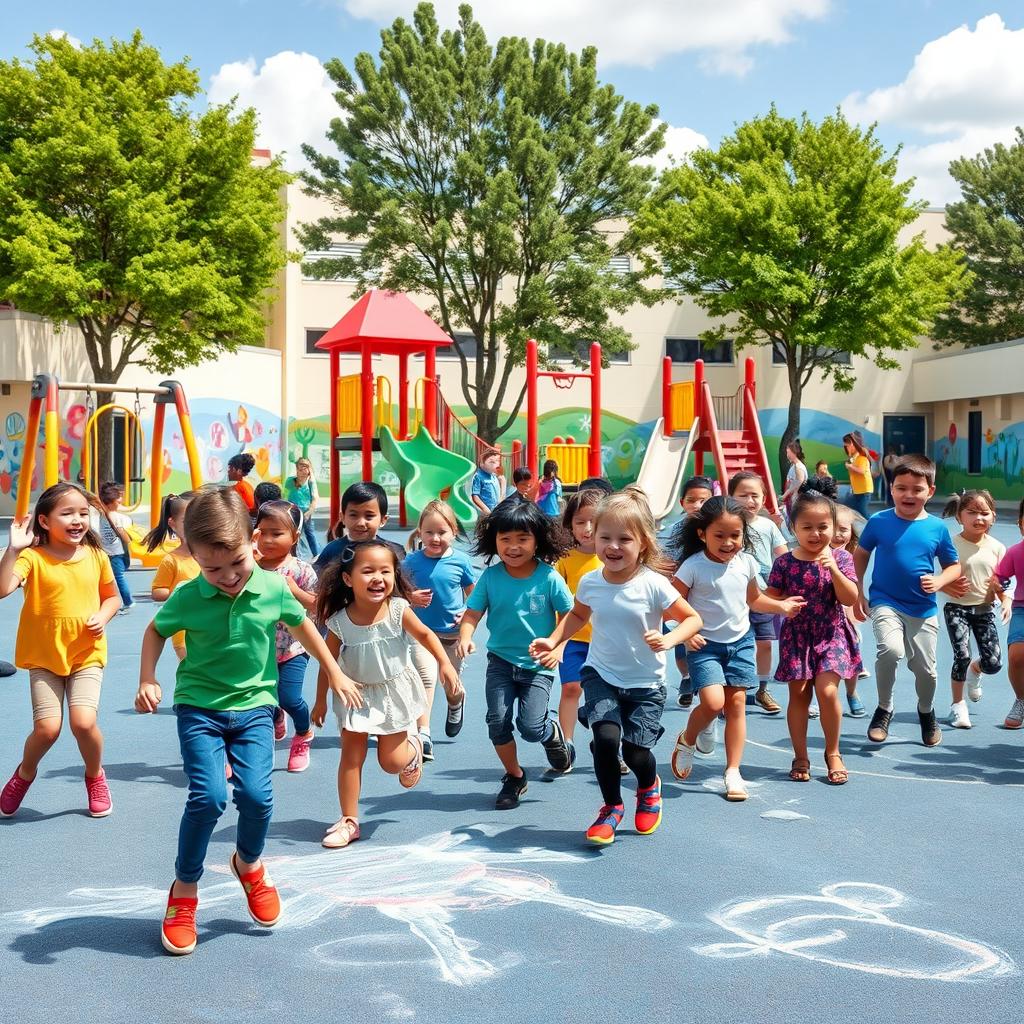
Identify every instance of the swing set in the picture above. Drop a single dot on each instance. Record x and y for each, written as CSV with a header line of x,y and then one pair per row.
x,y
122,424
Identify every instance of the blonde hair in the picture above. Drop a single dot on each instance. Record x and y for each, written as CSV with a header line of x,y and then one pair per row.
x,y
437,507
631,508
303,461
851,544
217,518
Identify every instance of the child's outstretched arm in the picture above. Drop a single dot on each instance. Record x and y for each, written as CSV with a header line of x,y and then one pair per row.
x,y
149,695
950,576
761,602
330,672
470,620
547,651
428,639
21,538
861,560
318,713
688,624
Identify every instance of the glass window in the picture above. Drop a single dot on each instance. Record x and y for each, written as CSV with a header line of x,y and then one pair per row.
x,y
467,342
689,350
313,335
779,356
334,252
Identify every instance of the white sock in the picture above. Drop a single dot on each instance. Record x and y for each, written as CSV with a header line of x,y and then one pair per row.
x,y
425,730
887,707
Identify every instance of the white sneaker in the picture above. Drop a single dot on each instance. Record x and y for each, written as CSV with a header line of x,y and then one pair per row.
x,y
813,712
735,787
682,759
958,716
707,738
973,685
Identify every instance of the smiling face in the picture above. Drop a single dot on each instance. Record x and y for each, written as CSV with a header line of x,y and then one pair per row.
x,y
617,546
723,538
227,569
750,494
68,521
844,527
813,528
372,576
362,521
693,500
976,518
910,494
516,548
583,528
436,534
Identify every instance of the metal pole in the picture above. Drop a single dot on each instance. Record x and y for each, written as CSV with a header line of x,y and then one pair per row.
x,y
666,396
366,411
334,454
595,410
430,392
532,450
698,413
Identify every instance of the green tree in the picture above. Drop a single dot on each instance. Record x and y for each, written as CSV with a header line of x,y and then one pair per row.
x,y
787,233
488,180
988,230
126,215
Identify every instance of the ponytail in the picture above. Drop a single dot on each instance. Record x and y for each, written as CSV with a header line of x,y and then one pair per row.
x,y
173,507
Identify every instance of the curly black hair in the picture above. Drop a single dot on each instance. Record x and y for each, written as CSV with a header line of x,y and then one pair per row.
x,y
814,491
243,462
686,541
333,593
519,515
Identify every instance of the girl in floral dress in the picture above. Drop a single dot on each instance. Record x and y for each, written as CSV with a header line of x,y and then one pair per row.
x,y
818,646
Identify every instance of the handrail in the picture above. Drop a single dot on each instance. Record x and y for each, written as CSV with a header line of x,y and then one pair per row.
x,y
750,416
708,409
383,403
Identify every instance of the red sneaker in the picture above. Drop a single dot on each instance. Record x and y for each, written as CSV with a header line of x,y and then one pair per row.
x,y
13,793
100,804
178,932
602,832
648,808
298,754
260,895
280,724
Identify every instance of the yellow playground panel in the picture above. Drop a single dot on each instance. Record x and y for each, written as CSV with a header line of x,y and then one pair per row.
x,y
572,461
350,404
681,403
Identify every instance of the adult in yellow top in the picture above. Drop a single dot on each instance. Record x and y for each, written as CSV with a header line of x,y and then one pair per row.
x,y
858,465
578,519
178,565
70,596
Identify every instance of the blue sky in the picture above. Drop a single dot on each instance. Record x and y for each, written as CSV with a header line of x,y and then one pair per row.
x,y
944,77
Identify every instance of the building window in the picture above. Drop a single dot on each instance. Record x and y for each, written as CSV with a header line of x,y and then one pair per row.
x,y
779,357
689,350
333,252
313,335
1006,408
467,342
557,354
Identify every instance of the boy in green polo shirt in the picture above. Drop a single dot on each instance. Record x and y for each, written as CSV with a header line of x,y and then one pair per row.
x,y
224,700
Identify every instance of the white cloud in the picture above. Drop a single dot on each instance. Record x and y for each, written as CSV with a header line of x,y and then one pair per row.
x,y
292,94
59,33
680,142
641,33
965,88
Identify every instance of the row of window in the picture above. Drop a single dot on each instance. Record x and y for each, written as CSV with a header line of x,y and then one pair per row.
x,y
679,350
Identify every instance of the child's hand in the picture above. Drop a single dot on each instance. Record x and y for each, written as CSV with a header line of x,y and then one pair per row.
x,y
696,643
776,518
928,584
546,654
792,606
347,691
959,587
464,648
861,611
420,598
451,683
94,625
655,639
539,647
318,713
147,700
1006,609
827,559
21,534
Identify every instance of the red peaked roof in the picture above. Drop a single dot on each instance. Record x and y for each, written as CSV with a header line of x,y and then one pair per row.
x,y
385,322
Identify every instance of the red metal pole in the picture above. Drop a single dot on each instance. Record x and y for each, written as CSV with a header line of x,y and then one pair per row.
x,y
666,396
430,392
750,382
698,405
366,411
532,450
334,455
403,397
595,410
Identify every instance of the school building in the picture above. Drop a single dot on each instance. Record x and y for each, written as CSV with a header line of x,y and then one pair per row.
x,y
964,408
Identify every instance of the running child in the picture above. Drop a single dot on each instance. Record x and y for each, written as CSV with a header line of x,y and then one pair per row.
x,y
521,596
364,512
70,596
239,467
549,493
177,566
844,537
718,578
818,646
278,527
1011,566
907,541
972,612
522,483
578,521
627,600
443,576
112,526
766,544
224,701
486,488
371,628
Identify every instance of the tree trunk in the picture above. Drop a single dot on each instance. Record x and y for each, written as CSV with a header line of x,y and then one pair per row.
x,y
487,424
792,430
104,454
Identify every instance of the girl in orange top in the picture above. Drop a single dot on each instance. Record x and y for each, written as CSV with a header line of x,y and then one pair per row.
x,y
239,467
70,596
177,566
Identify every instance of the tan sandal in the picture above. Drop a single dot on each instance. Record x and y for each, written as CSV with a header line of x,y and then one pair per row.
x,y
800,771
411,774
340,834
836,776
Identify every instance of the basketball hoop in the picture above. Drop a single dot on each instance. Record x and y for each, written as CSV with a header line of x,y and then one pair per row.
x,y
563,381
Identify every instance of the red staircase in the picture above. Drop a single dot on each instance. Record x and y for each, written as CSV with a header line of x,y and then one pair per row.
x,y
730,432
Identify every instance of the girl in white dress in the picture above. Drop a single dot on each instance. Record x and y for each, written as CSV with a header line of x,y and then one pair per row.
x,y
363,603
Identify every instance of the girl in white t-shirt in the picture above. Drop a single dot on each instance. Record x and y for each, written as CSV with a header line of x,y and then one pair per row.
x,y
719,577
623,676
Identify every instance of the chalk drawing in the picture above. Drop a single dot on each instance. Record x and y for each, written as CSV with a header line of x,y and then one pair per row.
x,y
424,886
783,815
846,926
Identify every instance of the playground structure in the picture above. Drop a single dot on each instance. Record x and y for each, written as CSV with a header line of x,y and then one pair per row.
x,y
694,421
44,410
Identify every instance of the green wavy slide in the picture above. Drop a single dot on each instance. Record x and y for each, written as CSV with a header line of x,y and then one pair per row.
x,y
426,471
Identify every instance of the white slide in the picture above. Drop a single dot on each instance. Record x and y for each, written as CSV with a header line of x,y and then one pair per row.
x,y
664,465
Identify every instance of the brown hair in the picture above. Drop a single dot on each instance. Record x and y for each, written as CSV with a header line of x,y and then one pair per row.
x,y
333,593
742,477
50,499
589,497
437,507
851,544
958,502
631,508
857,443
217,519
915,465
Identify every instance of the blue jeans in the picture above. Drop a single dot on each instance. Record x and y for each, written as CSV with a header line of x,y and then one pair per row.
x,y
119,563
247,737
508,683
859,503
290,677
307,539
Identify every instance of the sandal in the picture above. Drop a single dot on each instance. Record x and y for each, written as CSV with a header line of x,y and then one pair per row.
x,y
836,776
682,758
411,774
800,770
340,834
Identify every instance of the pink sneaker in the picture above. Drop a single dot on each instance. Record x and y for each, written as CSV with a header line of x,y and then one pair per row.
x,y
298,755
99,795
227,769
12,795
280,724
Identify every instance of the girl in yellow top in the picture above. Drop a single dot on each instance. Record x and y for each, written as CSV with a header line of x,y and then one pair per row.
x,y
858,465
178,566
578,519
70,596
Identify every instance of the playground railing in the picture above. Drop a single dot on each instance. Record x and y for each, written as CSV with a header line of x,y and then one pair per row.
x,y
729,410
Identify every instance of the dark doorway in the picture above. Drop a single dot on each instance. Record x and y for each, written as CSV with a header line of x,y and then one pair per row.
x,y
904,435
974,435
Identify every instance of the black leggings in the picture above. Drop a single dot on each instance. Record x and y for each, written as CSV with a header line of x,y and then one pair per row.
x,y
607,736
961,621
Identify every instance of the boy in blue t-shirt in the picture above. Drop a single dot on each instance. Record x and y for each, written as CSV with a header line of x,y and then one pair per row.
x,y
487,485
901,603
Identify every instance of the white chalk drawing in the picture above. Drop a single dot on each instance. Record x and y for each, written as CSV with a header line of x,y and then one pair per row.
x,y
422,885
783,815
847,926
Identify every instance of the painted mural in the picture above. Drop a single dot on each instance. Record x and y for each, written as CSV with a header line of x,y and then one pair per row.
x,y
1002,460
